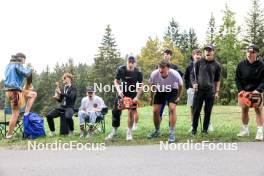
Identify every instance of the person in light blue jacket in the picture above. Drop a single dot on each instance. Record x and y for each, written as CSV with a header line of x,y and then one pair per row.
x,y
15,73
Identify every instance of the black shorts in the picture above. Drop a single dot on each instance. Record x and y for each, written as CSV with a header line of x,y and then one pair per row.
x,y
163,97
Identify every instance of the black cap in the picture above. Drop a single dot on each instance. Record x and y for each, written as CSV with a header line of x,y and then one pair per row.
x,y
90,89
211,47
253,48
131,58
20,55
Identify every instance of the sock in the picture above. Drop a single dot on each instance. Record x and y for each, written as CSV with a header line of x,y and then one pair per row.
x,y
129,130
172,131
26,113
114,130
245,126
260,128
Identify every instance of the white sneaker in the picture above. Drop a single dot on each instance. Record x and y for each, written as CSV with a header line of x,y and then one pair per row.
x,y
9,136
111,136
243,132
129,136
81,134
52,134
210,128
259,135
134,128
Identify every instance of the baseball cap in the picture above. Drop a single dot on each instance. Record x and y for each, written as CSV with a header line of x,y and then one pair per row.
x,y
211,47
253,48
131,59
20,55
90,89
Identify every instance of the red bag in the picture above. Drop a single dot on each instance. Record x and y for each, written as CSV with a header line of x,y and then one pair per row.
x,y
250,99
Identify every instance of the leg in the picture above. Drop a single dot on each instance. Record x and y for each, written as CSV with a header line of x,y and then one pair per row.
x,y
130,120
13,121
208,106
30,97
136,116
173,117
50,118
259,117
68,116
82,115
156,116
161,110
245,117
198,103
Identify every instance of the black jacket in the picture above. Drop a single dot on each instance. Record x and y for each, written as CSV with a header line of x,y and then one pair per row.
x,y
187,76
206,74
70,96
250,77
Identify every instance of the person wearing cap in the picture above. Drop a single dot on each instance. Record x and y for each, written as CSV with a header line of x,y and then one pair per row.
x,y
67,97
15,73
128,83
91,107
167,55
196,56
250,78
206,82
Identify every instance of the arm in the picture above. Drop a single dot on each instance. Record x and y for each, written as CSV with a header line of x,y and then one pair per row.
x,y
238,79
187,77
217,81
71,94
180,87
140,85
25,71
194,75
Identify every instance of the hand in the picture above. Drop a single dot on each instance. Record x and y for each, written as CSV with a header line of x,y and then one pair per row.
x,y
256,92
216,95
120,94
195,86
241,92
58,91
177,100
135,100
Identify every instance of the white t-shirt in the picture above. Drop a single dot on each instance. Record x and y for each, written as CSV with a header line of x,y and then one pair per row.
x,y
96,102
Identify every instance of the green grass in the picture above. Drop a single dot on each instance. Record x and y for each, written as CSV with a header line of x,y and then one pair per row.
x,y
226,121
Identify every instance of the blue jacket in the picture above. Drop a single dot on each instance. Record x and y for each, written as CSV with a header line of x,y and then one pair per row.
x,y
15,73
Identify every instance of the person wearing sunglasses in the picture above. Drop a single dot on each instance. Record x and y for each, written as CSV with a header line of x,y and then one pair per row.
x,y
250,78
67,97
128,83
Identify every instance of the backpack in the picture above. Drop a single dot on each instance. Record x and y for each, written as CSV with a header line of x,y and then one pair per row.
x,y
33,126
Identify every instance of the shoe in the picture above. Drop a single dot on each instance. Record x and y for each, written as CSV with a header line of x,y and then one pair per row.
x,y
70,134
154,134
243,132
134,128
52,134
111,136
205,133
172,138
129,136
9,136
88,135
194,133
259,135
81,134
210,128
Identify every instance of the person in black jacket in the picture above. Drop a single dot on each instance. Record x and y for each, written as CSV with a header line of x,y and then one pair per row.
x,y
67,97
206,82
250,78
196,55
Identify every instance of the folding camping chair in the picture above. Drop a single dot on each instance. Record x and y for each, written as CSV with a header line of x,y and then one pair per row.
x,y
5,123
99,126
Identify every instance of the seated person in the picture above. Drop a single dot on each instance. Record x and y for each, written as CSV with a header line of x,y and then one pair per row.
x,y
91,107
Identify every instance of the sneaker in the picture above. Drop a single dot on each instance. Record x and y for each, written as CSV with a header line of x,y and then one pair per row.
x,y
111,136
52,134
243,132
259,135
204,133
70,133
154,134
129,136
9,136
81,134
194,133
134,128
172,138
210,128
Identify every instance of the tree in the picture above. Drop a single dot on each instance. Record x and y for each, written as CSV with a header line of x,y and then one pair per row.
x,y
173,32
106,62
254,30
193,43
211,31
228,54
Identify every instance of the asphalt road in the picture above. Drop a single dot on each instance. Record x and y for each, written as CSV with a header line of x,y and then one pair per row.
x,y
146,160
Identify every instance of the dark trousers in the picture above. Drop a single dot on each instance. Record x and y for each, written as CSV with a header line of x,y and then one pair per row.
x,y
66,121
116,114
199,97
